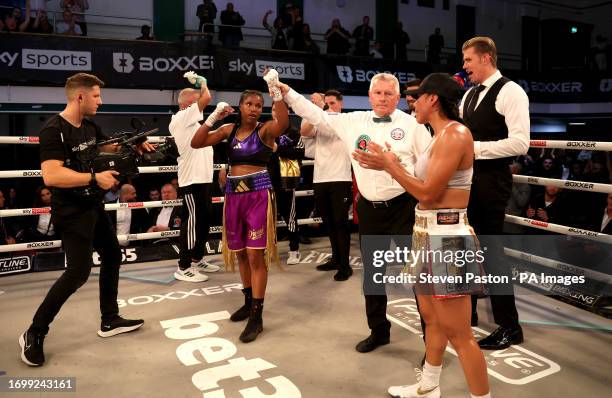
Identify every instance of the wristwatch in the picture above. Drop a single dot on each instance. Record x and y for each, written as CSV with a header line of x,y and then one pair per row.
x,y
93,182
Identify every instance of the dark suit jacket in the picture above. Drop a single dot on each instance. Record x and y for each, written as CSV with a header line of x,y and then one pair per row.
x,y
175,218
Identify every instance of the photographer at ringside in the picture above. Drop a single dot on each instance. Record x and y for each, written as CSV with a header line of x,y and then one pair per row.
x,y
67,149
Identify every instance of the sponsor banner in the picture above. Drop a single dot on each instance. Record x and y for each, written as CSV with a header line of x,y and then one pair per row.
x,y
353,75
16,264
37,60
244,68
562,88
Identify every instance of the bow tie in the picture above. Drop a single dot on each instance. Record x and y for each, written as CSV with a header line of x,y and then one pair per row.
x,y
384,119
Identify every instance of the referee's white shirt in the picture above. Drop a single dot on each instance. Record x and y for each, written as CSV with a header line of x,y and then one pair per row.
x,y
331,162
195,166
407,139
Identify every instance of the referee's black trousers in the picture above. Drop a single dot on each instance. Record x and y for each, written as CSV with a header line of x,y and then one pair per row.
x,y
491,190
83,229
333,202
396,219
195,224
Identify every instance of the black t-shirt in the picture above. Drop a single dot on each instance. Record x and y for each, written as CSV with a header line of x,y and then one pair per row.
x,y
76,147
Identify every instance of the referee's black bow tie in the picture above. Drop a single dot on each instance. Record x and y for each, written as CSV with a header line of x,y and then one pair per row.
x,y
384,119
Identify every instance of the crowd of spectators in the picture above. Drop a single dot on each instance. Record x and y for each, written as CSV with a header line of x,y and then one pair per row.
x,y
573,208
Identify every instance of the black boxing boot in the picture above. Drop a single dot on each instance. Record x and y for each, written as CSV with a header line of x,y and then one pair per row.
x,y
243,312
255,324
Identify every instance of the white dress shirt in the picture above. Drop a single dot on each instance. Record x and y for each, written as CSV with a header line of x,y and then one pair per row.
x,y
605,220
195,166
124,219
331,161
406,137
511,102
44,225
163,218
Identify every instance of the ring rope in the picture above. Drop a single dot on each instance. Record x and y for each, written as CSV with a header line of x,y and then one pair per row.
x,y
562,229
33,211
50,244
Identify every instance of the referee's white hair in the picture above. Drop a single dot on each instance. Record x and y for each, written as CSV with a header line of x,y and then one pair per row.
x,y
186,96
385,77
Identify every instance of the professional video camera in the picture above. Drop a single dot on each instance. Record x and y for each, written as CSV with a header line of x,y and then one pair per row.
x,y
127,159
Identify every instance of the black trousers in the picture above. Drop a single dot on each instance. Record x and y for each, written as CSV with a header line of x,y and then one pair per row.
x,y
195,225
83,229
333,202
491,190
285,203
397,219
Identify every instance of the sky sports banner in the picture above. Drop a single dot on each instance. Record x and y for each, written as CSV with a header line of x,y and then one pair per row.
x,y
49,60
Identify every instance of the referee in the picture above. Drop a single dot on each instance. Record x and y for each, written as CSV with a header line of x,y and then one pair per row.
x,y
384,208
497,113
195,176
332,183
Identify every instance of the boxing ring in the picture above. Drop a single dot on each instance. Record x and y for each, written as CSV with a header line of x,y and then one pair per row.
x,y
189,348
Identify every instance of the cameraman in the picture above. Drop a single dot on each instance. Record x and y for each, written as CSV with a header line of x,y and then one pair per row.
x,y
67,148
195,176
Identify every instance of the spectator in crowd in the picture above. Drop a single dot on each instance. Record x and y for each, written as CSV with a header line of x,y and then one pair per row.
x,y
128,221
112,195
7,232
280,33
175,184
600,53
434,48
145,31
287,15
69,26
41,228
548,207
168,217
154,194
576,171
78,8
231,36
14,201
519,198
207,12
375,53
596,170
547,168
604,221
363,34
411,85
310,46
41,23
401,41
13,21
297,30
337,39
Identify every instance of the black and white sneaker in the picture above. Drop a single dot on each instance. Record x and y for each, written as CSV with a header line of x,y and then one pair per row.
x,y
118,326
32,348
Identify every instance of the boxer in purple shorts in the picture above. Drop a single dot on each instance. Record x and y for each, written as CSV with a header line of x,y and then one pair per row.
x,y
249,214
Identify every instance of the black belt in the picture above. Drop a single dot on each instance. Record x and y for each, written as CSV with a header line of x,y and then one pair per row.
x,y
387,203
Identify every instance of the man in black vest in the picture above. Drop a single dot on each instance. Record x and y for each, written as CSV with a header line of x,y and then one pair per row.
x,y
497,113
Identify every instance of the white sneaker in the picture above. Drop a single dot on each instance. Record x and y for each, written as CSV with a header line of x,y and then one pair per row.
x,y
190,275
205,266
413,391
294,258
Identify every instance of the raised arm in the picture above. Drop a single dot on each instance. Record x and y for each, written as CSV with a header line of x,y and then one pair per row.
x,y
307,129
280,120
309,111
204,136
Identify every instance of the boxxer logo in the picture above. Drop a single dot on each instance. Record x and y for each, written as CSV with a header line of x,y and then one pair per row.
x,y
123,62
345,73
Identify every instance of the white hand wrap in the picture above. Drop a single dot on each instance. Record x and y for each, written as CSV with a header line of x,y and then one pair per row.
x,y
212,118
194,78
272,79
